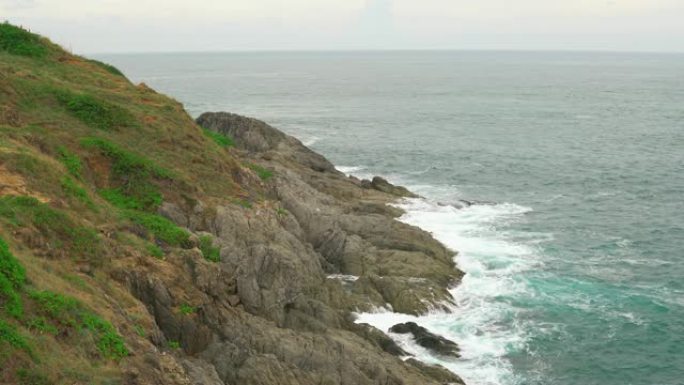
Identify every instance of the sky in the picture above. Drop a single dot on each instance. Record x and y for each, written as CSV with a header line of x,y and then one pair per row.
x,y
111,26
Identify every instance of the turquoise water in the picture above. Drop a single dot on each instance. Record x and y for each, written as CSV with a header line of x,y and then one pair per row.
x,y
575,255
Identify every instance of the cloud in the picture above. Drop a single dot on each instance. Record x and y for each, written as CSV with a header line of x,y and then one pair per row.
x,y
119,25
12,5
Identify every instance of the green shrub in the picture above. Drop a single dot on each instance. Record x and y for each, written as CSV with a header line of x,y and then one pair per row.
x,y
60,229
163,229
132,173
209,252
12,278
94,112
187,309
222,140
263,173
71,161
174,344
18,41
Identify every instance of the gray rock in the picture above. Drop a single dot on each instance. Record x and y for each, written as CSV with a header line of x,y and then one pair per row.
x,y
428,340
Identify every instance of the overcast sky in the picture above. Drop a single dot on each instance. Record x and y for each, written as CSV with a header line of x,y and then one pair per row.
x,y
103,26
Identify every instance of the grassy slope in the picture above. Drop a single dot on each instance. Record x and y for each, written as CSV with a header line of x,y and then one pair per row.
x,y
86,157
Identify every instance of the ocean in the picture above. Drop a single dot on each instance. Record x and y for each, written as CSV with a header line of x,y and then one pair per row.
x,y
574,248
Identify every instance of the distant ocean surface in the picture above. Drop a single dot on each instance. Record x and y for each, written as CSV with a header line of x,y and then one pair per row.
x,y
574,255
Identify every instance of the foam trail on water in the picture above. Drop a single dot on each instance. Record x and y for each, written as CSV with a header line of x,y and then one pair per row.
x,y
482,322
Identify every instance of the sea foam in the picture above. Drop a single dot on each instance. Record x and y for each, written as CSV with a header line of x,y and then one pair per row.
x,y
482,321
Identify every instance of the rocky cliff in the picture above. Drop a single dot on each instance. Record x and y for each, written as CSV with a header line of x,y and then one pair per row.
x,y
142,247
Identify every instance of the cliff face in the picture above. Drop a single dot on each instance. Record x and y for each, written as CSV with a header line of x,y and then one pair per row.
x,y
146,248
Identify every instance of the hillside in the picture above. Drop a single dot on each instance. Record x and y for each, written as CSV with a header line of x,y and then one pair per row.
x,y
142,247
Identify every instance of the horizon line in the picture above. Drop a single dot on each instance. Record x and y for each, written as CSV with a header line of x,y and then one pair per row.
x,y
386,50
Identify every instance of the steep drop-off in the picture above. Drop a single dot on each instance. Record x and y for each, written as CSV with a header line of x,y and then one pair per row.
x,y
142,247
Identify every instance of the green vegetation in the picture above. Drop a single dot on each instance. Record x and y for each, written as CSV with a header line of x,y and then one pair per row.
x,y
222,140
42,326
12,278
55,225
243,203
32,377
163,229
18,41
210,253
147,198
187,309
155,251
174,344
95,112
67,312
281,212
10,335
107,67
132,173
139,330
71,161
263,173
74,190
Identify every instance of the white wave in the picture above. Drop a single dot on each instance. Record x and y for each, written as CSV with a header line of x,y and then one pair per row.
x,y
343,277
349,169
480,322
310,140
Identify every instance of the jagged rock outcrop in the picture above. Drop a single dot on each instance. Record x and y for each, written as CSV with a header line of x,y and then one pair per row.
x,y
272,314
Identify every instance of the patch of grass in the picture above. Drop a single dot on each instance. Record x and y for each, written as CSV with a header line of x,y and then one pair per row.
x,y
68,312
187,309
243,203
281,212
146,197
57,306
163,229
110,343
139,330
174,345
32,377
107,67
132,173
56,226
74,190
12,279
10,335
95,112
42,326
155,251
263,173
18,41
210,253
71,161
222,140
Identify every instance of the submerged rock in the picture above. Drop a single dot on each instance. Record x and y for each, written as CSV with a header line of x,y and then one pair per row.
x,y
428,340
